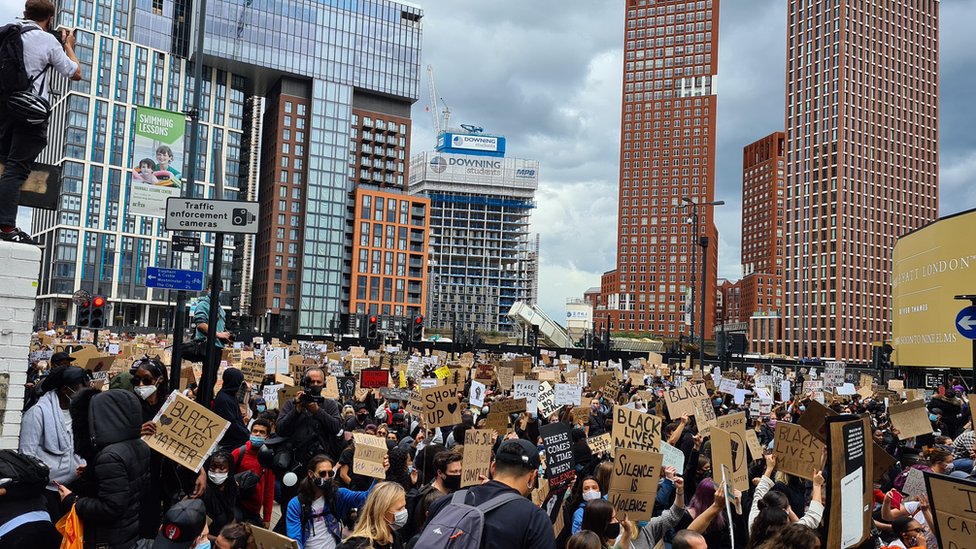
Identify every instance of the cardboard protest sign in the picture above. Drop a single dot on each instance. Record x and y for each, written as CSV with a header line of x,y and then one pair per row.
x,y
374,378
368,457
633,485
529,390
497,421
253,371
896,384
476,395
557,441
581,414
914,483
506,377
951,504
266,539
911,419
850,499
755,449
440,406
508,406
681,401
728,386
814,419
673,457
723,458
735,426
547,400
704,415
636,430
186,432
797,451
477,456
601,443
567,394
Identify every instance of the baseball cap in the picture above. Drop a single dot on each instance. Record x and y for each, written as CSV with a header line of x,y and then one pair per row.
x,y
61,357
519,452
182,525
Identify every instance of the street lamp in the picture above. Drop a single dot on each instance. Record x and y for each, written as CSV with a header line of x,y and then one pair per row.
x,y
703,242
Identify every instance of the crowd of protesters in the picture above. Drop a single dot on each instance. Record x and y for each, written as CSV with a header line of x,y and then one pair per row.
x,y
82,453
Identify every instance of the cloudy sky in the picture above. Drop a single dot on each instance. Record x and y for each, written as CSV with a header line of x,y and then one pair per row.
x,y
547,74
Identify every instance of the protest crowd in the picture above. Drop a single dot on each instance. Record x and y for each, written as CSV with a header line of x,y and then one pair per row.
x,y
310,446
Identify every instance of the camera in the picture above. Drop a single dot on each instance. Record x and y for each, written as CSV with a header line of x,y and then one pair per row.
x,y
241,217
312,394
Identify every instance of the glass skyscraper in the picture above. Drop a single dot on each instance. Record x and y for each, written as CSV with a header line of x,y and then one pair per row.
x,y
140,53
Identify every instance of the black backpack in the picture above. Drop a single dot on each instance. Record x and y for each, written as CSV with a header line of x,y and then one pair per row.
x,y
22,473
247,481
13,73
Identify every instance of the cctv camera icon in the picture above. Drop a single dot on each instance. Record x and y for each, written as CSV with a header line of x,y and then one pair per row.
x,y
240,217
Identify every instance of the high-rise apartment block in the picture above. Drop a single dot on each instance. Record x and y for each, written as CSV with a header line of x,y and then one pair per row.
x,y
286,87
760,290
482,256
667,156
861,164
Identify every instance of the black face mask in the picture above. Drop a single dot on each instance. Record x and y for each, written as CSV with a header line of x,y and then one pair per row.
x,y
452,482
612,531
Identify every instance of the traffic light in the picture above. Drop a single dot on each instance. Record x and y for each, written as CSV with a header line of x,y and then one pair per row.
x,y
97,312
84,313
372,328
417,328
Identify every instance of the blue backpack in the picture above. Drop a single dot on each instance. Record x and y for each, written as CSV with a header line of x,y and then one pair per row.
x,y
459,525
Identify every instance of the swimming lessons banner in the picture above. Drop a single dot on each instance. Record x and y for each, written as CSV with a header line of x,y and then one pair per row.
x,y
157,158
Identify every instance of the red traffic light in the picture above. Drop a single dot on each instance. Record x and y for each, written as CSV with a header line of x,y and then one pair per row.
x,y
372,320
419,320
98,301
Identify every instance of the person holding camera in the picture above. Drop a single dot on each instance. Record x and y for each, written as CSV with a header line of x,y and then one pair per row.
x,y
24,112
311,424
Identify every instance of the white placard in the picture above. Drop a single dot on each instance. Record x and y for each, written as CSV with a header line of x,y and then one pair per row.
x,y
673,457
276,360
476,396
567,394
529,390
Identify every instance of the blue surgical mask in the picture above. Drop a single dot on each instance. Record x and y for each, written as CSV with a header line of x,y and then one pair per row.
x,y
394,406
257,442
933,417
205,544
803,408
261,408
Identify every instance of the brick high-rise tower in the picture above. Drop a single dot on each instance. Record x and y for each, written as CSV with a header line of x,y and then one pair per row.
x,y
667,155
862,164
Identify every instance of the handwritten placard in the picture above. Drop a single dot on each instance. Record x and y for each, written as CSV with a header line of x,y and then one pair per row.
x,y
441,406
368,456
186,432
477,455
633,484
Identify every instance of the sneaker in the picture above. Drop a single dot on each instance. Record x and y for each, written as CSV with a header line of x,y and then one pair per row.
x,y
18,236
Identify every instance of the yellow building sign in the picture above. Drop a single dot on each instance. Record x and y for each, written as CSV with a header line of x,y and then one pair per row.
x,y
930,266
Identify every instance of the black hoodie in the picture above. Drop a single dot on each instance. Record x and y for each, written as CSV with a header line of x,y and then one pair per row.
x,y
106,429
227,407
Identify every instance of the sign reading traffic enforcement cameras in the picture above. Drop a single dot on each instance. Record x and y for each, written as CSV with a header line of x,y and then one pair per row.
x,y
211,216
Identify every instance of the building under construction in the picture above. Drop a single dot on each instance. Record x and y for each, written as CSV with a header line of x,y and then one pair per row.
x,y
483,257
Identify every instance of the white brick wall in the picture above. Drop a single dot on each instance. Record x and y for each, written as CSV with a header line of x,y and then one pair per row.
x,y
21,266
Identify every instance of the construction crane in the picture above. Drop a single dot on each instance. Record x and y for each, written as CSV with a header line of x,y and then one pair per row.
x,y
442,120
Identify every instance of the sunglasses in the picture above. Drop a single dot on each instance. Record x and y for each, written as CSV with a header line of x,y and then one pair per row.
x,y
136,381
327,474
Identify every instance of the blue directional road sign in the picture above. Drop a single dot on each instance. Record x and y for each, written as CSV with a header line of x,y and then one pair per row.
x,y
966,322
174,279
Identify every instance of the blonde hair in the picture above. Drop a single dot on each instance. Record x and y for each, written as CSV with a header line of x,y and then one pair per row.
x,y
372,522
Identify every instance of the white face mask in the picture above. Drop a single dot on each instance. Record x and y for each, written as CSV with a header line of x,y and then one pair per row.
x,y
217,478
145,391
400,519
205,544
591,495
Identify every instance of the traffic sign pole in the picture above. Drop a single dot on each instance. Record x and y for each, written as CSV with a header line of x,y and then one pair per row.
x,y
209,375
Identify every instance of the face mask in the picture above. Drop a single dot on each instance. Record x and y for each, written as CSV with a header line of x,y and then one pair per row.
x,y
400,518
772,423
262,408
362,417
591,495
257,442
452,482
484,411
803,408
612,531
933,417
949,468
217,478
717,402
394,407
145,391
205,544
